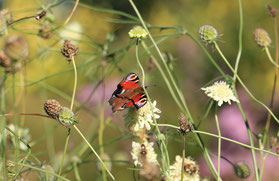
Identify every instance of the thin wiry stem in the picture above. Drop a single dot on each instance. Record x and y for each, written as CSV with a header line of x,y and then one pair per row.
x,y
224,138
219,141
72,12
205,152
93,150
75,83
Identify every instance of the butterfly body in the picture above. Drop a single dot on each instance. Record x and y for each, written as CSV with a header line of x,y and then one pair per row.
x,y
128,94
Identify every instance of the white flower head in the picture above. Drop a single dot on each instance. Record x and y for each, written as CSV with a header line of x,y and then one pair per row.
x,y
142,151
220,92
23,133
191,170
145,116
71,32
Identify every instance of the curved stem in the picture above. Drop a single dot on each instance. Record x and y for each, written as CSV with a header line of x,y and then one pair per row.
x,y
243,85
75,83
224,138
239,39
270,57
73,10
185,110
96,154
166,162
64,153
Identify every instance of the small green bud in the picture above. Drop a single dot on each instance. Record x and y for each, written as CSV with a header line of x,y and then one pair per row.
x,y
242,170
137,32
261,37
208,34
161,137
66,117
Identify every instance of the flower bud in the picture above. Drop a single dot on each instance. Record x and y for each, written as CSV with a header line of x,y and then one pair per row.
x,y
242,170
137,32
261,37
52,108
66,117
16,47
3,25
208,34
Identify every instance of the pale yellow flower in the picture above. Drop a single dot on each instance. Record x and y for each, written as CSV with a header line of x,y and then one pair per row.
x,y
137,32
191,170
149,155
220,92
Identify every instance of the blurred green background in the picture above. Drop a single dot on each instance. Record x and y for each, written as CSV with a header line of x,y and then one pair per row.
x,y
190,66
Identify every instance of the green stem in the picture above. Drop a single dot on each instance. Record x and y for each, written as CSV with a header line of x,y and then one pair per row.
x,y
2,129
242,113
270,57
64,153
76,171
239,39
205,152
224,138
166,162
75,82
39,169
219,141
183,156
96,154
243,85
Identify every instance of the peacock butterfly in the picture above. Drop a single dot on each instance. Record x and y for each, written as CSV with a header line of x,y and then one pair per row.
x,y
128,94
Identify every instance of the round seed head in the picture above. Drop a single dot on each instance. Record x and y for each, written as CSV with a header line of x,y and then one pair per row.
x,y
69,50
261,37
184,124
207,33
242,170
52,108
16,47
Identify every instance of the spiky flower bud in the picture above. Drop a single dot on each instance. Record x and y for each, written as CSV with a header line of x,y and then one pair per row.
x,y
69,50
66,117
242,170
52,108
184,124
16,47
137,32
208,33
5,61
261,37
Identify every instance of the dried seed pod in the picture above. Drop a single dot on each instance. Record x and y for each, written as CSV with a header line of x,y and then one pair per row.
x,y
52,108
69,50
184,124
272,11
16,47
44,33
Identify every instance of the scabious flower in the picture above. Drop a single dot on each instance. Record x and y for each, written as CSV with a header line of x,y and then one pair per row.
x,y
137,32
145,116
191,170
220,92
139,155
261,37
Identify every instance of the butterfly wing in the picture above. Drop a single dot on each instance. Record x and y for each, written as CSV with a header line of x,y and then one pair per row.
x,y
128,94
